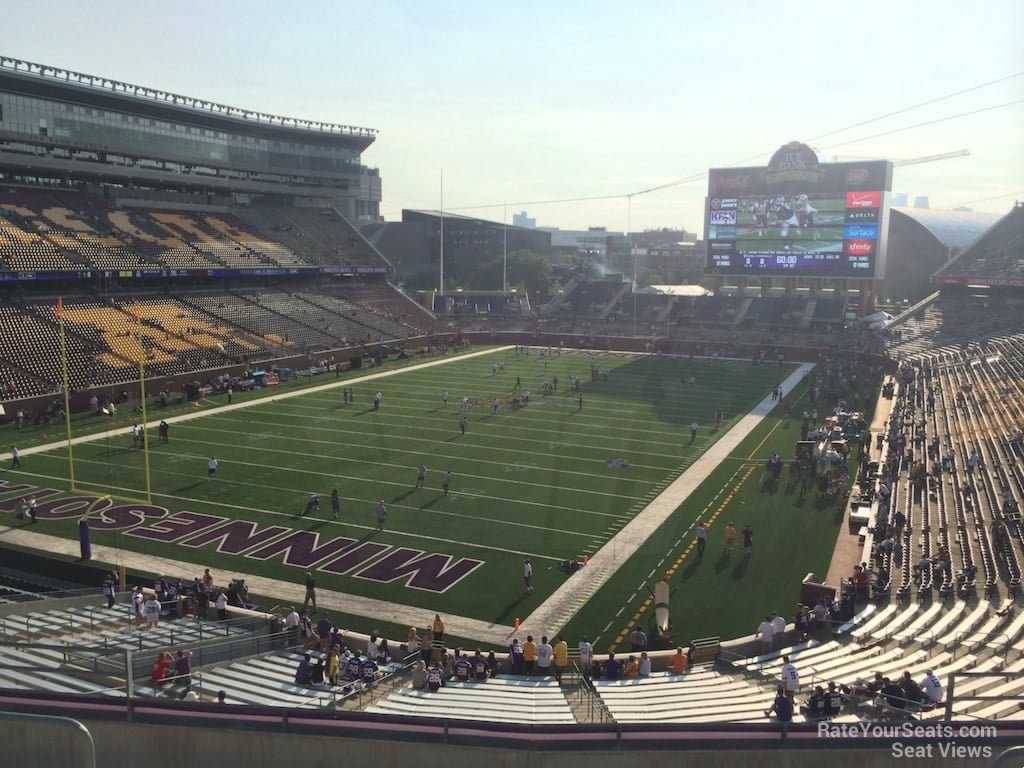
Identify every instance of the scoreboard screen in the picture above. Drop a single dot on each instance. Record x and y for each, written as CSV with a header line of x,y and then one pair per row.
x,y
800,219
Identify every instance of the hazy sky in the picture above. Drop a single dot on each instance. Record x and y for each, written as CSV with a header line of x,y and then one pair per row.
x,y
533,101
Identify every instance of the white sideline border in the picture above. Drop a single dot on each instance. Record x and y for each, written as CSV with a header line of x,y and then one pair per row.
x,y
548,618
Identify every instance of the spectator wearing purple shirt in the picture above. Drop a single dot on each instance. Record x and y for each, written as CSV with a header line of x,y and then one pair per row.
x,y
183,669
612,668
323,631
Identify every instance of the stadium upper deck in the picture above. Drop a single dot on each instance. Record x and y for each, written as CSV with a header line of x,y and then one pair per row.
x,y
61,126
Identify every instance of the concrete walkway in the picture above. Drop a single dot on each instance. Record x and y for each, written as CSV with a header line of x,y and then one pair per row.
x,y
548,618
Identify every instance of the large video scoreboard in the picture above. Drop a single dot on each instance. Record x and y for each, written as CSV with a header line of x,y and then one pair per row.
x,y
798,217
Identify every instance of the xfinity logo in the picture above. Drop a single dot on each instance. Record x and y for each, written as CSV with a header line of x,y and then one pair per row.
x,y
860,247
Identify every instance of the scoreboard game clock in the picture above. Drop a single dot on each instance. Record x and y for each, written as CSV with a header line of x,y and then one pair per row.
x,y
797,217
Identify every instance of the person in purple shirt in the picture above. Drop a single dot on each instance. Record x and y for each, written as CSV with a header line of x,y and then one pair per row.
x,y
323,631
463,667
515,657
183,669
368,671
612,668
353,669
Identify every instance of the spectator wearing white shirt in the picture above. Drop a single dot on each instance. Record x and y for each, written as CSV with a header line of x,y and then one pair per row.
x,y
778,629
222,605
586,656
291,625
545,654
372,648
645,665
932,687
790,678
766,634
151,610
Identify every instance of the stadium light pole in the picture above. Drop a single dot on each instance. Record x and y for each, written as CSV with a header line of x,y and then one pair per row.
x,y
442,233
504,248
632,252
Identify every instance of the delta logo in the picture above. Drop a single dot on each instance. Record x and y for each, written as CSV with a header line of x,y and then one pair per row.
x,y
863,199
860,248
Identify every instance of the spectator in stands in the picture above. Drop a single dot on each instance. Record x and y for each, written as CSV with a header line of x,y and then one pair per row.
x,y
435,679
427,646
817,705
316,673
529,655
833,701
372,647
586,651
302,672
479,665
291,626
781,707
516,662
632,668
822,617
323,631
545,657
492,665
221,605
679,662
892,694
412,642
644,669
931,687
778,630
912,692
462,666
637,639
110,588
765,634
183,669
151,612
160,667
561,657
790,678
612,669
802,622
333,664
419,675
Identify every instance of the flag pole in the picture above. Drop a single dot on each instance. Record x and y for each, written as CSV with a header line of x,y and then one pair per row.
x,y
67,391
142,395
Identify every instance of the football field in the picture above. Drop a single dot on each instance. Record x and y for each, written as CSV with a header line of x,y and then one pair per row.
x,y
547,481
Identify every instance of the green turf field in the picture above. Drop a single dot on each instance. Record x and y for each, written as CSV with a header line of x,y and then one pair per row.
x,y
545,482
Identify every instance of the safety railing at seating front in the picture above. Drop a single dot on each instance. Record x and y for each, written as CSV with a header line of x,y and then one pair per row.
x,y
585,701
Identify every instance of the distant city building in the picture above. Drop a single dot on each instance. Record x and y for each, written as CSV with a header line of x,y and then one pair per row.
x,y
900,199
921,201
964,209
522,220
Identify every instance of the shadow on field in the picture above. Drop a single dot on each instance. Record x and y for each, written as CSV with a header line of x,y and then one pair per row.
x,y
405,495
432,502
690,569
508,610
740,569
723,561
189,486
